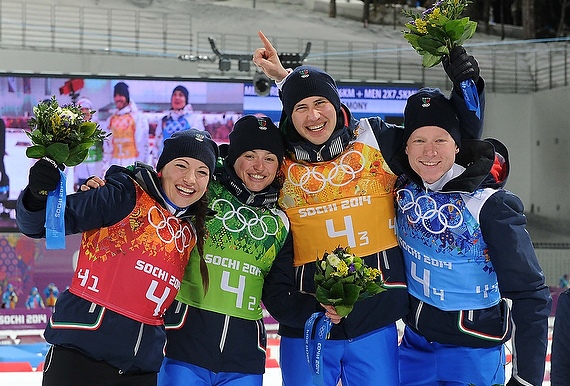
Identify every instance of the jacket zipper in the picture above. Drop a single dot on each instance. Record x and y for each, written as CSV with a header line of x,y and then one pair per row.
x,y
417,315
224,333
139,339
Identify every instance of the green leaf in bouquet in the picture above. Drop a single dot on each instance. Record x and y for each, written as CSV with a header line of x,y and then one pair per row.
x,y
454,29
328,283
322,295
337,291
430,44
76,156
38,138
351,293
85,145
429,60
36,151
438,33
371,289
59,152
319,278
328,271
87,129
412,39
344,309
469,31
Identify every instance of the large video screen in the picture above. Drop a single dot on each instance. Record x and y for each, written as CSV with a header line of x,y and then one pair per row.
x,y
212,105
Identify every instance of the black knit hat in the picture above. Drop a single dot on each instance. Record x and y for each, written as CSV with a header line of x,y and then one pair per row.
x,y
250,133
307,81
183,90
191,143
429,107
121,88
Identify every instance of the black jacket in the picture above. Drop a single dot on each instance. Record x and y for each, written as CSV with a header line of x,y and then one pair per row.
x,y
560,356
510,249
120,341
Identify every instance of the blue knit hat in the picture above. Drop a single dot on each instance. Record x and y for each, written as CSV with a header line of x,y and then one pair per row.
x,y
307,81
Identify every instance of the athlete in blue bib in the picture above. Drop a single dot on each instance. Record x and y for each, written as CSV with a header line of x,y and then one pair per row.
x,y
465,249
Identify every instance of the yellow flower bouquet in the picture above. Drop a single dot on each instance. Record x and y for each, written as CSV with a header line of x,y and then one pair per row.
x,y
61,133
435,31
341,279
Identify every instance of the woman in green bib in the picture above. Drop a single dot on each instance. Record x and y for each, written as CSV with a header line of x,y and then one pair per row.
x,y
216,336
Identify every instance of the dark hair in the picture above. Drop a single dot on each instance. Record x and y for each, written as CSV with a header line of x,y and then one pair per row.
x,y
200,225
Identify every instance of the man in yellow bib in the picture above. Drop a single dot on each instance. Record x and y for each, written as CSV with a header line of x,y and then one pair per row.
x,y
338,191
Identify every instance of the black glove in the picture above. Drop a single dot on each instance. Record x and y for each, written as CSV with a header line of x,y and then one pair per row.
x,y
43,178
460,66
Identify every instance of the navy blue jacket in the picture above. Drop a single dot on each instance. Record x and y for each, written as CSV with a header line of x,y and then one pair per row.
x,y
120,341
520,277
560,356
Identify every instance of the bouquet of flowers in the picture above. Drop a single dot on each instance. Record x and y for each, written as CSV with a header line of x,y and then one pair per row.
x,y
341,279
60,133
435,31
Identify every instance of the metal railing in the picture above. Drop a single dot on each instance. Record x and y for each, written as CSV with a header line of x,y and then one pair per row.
x,y
508,67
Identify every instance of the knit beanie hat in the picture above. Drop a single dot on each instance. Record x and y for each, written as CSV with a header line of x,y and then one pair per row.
x,y
121,88
85,103
307,81
250,133
183,90
191,143
429,107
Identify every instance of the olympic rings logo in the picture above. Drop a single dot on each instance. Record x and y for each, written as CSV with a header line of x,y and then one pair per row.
x,y
424,208
339,171
235,220
169,229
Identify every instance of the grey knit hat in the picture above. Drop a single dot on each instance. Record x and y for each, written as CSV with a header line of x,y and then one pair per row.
x,y
191,143
307,81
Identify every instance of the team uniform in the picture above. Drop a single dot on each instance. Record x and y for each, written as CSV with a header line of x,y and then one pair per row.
x,y
219,337
341,194
466,250
128,272
129,139
174,121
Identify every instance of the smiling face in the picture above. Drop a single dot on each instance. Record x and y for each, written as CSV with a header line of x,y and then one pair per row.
x,y
257,169
184,180
431,152
314,119
120,101
178,100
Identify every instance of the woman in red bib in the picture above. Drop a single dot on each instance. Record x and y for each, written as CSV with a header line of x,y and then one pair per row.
x,y
138,230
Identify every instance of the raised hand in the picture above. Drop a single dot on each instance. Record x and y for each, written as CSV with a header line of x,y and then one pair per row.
x,y
460,66
267,59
